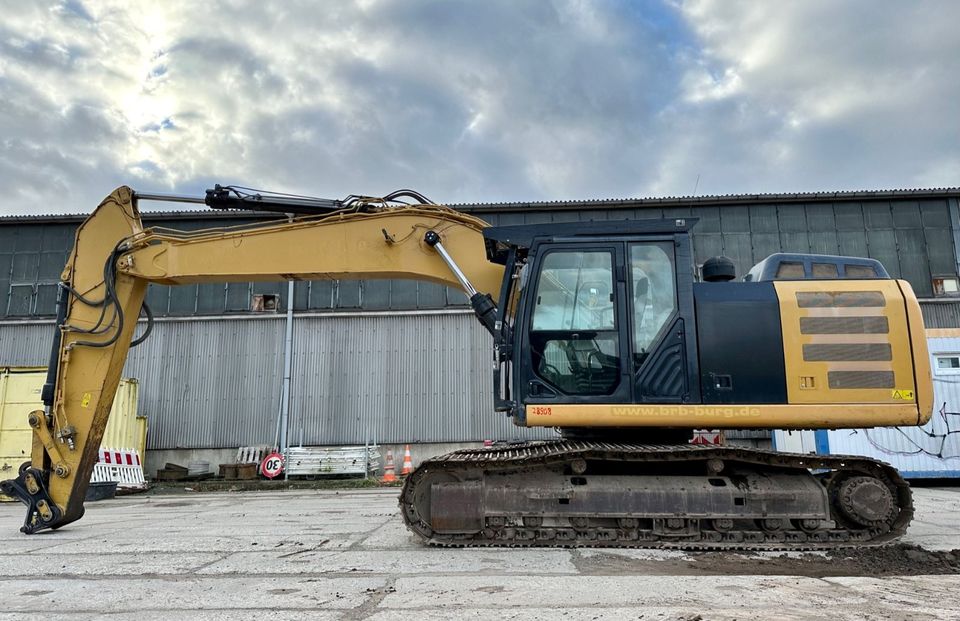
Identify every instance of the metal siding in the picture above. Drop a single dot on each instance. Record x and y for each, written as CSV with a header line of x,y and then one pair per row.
x,y
913,265
709,219
940,252
792,218
853,243
820,217
395,379
848,216
764,244
737,247
706,246
763,219
735,220
882,245
941,314
922,452
356,378
823,242
796,241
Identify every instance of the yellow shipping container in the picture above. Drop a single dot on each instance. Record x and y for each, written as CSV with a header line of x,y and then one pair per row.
x,y
20,394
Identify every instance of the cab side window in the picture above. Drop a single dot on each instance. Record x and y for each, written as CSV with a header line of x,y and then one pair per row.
x,y
654,295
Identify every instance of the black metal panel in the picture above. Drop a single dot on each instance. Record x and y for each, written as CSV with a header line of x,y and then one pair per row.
x,y
796,241
376,294
853,243
211,298
940,252
763,219
732,319
906,214
301,295
321,294
764,244
823,242
706,246
882,245
820,217
709,219
911,248
935,214
664,377
403,294
876,215
793,219
735,220
238,296
348,294
848,216
183,300
158,298
431,295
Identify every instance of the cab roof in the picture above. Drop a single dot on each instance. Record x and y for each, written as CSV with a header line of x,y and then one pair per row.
x,y
499,239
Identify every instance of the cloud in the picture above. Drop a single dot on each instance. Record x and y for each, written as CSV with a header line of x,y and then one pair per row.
x,y
470,101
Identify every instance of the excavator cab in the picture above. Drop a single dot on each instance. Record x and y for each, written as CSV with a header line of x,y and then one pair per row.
x,y
594,313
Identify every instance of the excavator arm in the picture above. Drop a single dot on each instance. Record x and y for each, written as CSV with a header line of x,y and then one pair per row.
x,y
115,258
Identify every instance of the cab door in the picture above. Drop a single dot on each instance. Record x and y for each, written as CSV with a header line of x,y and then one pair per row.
x,y
574,347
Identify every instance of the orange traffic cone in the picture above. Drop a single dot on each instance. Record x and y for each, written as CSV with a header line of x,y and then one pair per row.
x,y
407,461
389,470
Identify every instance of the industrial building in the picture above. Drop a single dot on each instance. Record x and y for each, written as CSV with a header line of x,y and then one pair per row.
x,y
396,362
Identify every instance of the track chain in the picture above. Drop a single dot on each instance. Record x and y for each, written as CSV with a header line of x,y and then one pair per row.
x,y
537,454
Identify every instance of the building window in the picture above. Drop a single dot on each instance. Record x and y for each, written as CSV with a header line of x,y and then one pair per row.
x,y
947,364
265,302
946,286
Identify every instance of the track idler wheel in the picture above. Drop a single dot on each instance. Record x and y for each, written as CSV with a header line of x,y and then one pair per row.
x,y
867,501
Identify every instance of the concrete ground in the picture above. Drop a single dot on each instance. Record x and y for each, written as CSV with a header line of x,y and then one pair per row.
x,y
346,555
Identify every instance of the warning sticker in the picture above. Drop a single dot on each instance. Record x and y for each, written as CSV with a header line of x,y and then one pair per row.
x,y
905,395
85,400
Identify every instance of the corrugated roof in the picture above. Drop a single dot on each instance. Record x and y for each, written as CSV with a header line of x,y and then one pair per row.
x,y
596,203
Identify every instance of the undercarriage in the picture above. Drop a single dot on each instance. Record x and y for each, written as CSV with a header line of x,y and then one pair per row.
x,y
577,493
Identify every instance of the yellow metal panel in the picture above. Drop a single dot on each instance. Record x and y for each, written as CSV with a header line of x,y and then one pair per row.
x,y
20,395
125,429
921,354
815,361
936,333
722,416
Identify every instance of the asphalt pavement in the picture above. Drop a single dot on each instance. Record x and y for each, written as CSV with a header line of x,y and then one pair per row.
x,y
346,555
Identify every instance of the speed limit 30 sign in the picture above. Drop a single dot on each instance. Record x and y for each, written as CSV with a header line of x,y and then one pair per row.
x,y
272,465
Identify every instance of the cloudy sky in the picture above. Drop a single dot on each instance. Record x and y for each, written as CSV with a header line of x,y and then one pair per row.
x,y
475,101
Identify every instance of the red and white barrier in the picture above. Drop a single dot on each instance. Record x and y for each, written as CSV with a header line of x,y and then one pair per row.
x,y
120,465
707,436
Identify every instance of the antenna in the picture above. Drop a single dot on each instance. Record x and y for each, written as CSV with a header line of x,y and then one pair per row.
x,y
696,185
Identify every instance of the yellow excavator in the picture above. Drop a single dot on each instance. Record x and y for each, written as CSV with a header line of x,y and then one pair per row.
x,y
603,330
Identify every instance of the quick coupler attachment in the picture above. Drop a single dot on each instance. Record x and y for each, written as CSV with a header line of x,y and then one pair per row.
x,y
30,488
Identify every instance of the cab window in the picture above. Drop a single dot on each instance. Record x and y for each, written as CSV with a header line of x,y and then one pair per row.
x,y
573,336
654,296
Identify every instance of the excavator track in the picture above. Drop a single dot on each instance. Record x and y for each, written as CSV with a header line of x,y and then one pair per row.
x,y
571,493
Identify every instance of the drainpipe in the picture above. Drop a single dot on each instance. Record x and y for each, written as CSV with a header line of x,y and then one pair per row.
x,y
287,364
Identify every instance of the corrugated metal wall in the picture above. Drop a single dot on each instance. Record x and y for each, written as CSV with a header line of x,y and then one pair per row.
x,y
393,378
941,314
